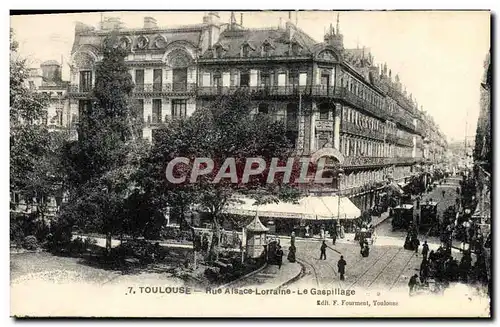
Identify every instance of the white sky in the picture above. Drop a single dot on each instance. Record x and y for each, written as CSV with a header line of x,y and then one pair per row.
x,y
438,55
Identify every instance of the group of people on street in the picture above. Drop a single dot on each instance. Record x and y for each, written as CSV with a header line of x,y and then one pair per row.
x,y
440,267
340,264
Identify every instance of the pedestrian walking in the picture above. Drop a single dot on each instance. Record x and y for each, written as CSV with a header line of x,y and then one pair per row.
x,y
416,244
323,251
341,266
425,249
334,237
291,253
413,283
443,192
279,256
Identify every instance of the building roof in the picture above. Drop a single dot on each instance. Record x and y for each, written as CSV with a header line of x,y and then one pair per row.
x,y
256,225
359,57
278,38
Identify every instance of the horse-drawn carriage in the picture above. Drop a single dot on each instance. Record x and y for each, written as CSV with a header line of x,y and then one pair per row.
x,y
402,217
429,218
366,234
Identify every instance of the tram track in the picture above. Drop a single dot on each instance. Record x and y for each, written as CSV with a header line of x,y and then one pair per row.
x,y
313,269
368,269
387,265
401,271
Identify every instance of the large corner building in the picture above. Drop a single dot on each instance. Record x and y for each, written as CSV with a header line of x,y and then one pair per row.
x,y
335,102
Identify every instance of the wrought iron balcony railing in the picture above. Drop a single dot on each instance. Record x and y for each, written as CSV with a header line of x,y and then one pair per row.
x,y
80,88
165,88
362,161
351,128
357,101
261,90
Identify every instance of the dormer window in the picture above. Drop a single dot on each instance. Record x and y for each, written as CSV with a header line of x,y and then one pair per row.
x,y
219,51
245,50
296,48
266,48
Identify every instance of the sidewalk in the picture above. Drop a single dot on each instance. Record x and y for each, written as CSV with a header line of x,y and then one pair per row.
x,y
378,220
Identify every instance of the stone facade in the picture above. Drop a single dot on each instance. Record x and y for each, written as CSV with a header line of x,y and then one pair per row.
x,y
331,99
47,80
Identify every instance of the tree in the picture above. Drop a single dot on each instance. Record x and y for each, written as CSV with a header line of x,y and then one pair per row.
x,y
226,129
34,151
100,165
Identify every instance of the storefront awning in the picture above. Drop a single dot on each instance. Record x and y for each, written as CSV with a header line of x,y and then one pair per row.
x,y
310,208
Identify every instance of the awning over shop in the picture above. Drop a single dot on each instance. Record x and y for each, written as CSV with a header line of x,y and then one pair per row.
x,y
310,208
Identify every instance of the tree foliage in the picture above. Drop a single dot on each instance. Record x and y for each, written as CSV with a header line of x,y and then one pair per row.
x,y
101,163
34,151
225,129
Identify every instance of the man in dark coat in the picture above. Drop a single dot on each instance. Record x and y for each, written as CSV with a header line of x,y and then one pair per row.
x,y
279,256
425,249
291,253
413,283
323,251
416,244
341,266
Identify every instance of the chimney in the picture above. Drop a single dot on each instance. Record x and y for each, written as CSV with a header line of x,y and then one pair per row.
x,y
112,23
150,22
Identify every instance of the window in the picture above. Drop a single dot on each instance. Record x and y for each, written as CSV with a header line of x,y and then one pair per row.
x,y
180,79
295,48
263,108
324,112
245,50
157,80
179,108
156,119
244,79
84,107
291,116
266,49
217,80
219,51
139,79
139,109
85,81
59,118
293,79
265,79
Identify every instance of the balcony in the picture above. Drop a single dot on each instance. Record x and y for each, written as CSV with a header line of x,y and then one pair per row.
x,y
391,138
82,90
167,89
254,91
355,100
404,160
359,161
351,128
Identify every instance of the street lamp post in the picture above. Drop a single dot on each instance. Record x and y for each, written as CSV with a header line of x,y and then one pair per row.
x,y
340,172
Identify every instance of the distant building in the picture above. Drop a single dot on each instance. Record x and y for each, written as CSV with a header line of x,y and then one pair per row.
x,y
47,80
